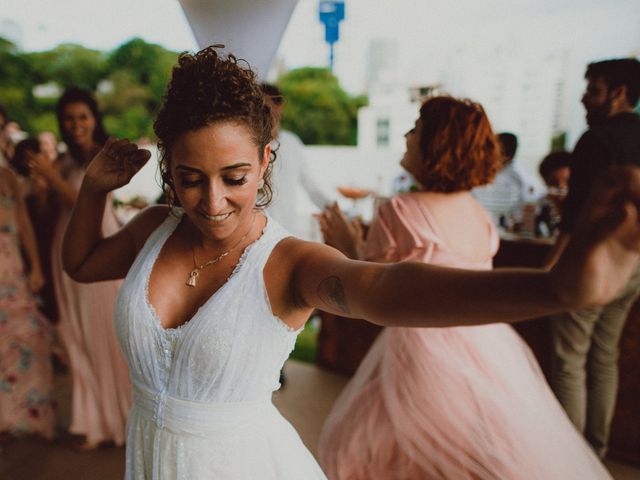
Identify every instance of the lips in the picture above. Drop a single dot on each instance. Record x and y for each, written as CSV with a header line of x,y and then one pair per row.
x,y
216,218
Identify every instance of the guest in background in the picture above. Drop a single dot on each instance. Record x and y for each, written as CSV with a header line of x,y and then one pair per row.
x,y
26,375
49,145
506,195
6,144
448,403
44,210
290,170
101,387
585,342
555,170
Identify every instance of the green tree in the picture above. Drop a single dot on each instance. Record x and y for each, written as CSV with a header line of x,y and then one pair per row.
x,y
147,64
318,110
69,65
16,81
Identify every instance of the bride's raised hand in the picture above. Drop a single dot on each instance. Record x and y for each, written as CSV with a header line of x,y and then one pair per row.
x,y
604,250
115,165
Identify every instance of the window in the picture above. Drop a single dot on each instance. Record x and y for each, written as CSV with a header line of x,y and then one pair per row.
x,y
382,132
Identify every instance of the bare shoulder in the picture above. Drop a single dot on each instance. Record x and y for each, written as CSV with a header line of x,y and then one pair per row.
x,y
292,252
10,181
287,276
145,222
7,175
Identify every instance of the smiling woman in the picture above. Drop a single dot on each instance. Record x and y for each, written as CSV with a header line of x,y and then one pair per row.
x,y
205,357
101,389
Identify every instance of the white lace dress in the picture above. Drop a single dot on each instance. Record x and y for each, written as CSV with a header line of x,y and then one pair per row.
x,y
202,392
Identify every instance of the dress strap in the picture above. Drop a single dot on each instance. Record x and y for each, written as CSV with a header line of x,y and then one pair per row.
x,y
159,236
272,234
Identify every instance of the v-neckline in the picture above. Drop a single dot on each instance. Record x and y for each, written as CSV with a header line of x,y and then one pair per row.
x,y
156,320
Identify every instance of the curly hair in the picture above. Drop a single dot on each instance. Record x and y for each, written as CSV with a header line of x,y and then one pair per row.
x,y
79,95
459,148
206,88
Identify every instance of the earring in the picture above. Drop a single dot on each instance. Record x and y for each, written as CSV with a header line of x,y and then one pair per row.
x,y
260,184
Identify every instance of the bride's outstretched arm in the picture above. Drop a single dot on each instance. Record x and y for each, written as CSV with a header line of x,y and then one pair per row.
x,y
597,263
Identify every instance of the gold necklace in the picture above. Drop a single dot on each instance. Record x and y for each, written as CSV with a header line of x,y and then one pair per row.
x,y
193,275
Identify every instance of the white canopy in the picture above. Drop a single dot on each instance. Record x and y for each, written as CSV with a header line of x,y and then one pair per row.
x,y
250,29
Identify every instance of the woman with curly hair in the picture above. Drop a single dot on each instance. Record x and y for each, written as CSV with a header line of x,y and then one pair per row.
x,y
216,291
449,403
101,391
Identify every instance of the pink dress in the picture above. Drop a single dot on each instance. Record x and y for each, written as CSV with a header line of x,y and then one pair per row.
x,y
101,393
447,403
26,375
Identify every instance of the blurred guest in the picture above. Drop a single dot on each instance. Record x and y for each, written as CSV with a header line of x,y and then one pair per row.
x,y
44,210
585,342
49,145
505,196
6,144
26,376
555,170
448,403
101,387
290,170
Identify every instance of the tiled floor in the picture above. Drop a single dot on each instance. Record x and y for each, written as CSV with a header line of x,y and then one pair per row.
x,y
305,401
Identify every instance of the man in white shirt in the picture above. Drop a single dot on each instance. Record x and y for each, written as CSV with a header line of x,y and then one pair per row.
x,y
289,171
505,196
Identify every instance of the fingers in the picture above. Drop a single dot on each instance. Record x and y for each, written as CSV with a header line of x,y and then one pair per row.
x,y
125,150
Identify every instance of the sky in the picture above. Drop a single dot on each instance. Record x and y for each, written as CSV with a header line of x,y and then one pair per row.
x,y
426,31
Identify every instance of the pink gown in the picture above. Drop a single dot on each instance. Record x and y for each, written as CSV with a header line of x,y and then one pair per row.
x,y
101,391
26,375
447,403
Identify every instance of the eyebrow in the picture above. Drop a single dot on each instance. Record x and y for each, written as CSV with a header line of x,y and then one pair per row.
x,y
228,167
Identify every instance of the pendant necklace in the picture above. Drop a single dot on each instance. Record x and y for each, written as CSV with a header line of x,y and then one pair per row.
x,y
193,275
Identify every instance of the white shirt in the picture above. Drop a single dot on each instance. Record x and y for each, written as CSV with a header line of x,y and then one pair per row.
x,y
290,172
506,195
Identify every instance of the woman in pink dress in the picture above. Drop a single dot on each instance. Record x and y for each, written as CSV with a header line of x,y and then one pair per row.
x,y
445,403
26,375
101,388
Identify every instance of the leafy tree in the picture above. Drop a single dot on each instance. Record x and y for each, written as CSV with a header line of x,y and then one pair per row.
x,y
147,64
15,83
69,65
318,109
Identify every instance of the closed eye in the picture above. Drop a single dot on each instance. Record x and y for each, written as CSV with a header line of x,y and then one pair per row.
x,y
190,181
236,181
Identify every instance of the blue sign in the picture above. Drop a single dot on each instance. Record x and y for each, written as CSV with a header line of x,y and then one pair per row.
x,y
331,14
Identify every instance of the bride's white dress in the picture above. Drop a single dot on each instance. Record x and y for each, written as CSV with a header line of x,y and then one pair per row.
x,y
202,392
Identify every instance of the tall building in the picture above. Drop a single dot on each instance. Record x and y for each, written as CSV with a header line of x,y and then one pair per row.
x,y
524,93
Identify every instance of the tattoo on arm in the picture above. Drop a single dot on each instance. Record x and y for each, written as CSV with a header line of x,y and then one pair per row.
x,y
331,292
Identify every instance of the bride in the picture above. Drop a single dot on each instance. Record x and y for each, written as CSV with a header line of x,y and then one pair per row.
x,y
216,291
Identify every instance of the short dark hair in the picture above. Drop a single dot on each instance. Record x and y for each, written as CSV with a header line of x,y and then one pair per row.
x,y
617,72
19,159
79,95
553,162
508,143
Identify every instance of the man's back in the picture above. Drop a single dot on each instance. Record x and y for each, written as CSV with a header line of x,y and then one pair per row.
x,y
615,141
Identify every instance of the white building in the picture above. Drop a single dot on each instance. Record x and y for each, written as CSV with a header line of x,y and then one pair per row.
x,y
524,93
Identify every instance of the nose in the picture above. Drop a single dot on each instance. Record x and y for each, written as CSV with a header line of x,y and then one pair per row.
x,y
215,198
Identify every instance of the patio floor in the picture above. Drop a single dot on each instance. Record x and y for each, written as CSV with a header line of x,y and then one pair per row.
x,y
305,402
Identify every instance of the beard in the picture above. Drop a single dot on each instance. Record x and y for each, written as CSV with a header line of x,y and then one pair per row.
x,y
597,115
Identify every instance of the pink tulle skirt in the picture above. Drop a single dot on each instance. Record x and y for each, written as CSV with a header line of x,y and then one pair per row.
x,y
452,403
